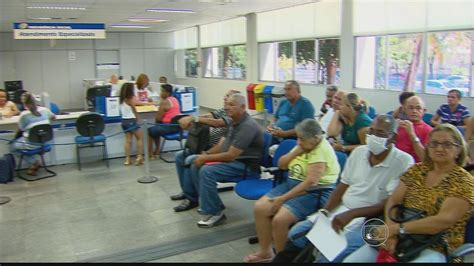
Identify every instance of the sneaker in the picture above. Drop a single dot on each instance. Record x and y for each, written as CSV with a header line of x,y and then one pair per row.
x,y
186,205
179,196
211,220
201,212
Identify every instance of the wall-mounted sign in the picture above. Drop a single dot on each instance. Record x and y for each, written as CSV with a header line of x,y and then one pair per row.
x,y
35,31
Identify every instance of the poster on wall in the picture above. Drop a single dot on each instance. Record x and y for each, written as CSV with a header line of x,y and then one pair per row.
x,y
48,31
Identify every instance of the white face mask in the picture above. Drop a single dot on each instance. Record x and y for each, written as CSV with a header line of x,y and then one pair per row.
x,y
376,145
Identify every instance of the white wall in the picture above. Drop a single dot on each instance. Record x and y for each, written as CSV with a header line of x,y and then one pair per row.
x,y
45,66
211,91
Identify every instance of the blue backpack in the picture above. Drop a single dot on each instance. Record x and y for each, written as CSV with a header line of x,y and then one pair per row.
x,y
7,168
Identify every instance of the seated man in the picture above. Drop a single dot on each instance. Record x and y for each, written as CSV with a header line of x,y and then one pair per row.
x,y
399,113
453,112
336,106
244,138
292,110
370,175
413,133
217,120
327,104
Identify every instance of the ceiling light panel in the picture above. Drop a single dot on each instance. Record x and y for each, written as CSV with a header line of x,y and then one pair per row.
x,y
72,8
170,10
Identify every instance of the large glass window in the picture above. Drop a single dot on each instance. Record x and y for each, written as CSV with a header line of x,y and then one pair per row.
x,y
448,63
225,62
311,61
305,69
328,54
399,62
191,63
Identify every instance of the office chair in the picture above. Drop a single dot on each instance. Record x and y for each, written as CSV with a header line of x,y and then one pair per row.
x,y
39,134
90,127
177,136
465,251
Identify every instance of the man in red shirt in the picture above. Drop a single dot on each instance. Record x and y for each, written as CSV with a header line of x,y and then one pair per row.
x,y
413,133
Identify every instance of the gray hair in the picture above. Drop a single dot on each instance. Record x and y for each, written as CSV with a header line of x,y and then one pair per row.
x,y
294,83
389,122
239,98
309,128
332,88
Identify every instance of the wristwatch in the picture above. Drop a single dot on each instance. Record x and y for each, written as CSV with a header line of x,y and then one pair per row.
x,y
401,229
416,140
196,119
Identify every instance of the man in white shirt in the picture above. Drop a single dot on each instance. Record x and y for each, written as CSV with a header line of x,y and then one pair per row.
x,y
336,105
370,175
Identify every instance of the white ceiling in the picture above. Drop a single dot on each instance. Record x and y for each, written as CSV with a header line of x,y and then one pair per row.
x,y
118,11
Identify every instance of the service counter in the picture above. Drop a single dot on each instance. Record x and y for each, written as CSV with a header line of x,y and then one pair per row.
x,y
65,132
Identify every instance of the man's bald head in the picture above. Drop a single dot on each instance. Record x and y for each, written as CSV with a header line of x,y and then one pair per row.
x,y
415,108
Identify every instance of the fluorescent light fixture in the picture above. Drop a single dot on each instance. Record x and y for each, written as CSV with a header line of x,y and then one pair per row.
x,y
132,26
57,7
170,10
146,20
40,18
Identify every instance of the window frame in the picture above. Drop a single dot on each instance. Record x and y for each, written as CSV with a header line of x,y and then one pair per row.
x,y
222,63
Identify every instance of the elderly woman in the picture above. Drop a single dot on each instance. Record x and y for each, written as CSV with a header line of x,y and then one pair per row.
x,y
7,108
311,162
29,118
351,122
439,186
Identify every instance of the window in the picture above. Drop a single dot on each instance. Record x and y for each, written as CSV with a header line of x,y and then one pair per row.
x,y
328,54
315,61
398,62
448,63
191,63
225,62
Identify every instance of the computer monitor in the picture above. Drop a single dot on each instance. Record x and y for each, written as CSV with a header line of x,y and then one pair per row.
x,y
14,89
97,91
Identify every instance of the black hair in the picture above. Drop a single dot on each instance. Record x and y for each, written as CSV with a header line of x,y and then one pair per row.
x,y
167,88
404,96
458,92
127,91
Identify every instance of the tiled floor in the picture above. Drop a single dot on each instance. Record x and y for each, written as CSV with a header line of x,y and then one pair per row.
x,y
79,215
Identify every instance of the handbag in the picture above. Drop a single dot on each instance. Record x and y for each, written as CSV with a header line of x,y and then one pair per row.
x,y
411,245
198,138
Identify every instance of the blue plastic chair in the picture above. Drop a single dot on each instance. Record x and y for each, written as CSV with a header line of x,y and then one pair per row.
x,y
466,251
55,109
371,112
253,189
427,118
390,113
39,134
90,127
177,136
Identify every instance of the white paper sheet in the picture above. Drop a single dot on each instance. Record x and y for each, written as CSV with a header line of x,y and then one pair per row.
x,y
325,239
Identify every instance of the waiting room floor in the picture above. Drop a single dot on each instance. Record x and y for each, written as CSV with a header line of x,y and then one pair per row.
x,y
101,214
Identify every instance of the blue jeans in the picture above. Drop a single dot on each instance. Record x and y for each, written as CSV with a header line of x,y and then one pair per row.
x,y
369,254
184,167
207,178
353,237
22,144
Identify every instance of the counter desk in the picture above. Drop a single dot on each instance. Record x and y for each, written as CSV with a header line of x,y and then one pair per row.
x,y
65,132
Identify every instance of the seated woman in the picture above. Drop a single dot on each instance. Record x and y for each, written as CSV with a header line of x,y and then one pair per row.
x,y
439,186
311,162
7,108
452,112
169,108
29,118
351,122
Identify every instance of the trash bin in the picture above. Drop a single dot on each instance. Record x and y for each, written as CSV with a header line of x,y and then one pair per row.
x,y
267,98
258,91
278,95
186,97
251,96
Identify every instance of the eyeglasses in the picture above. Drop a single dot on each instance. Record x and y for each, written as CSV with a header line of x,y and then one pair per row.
x,y
444,145
417,108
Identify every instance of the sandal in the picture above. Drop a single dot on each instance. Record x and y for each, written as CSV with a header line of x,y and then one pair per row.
x,y
33,170
127,161
139,160
152,157
254,258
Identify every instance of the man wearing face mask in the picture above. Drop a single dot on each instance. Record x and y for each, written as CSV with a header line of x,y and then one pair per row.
x,y
370,175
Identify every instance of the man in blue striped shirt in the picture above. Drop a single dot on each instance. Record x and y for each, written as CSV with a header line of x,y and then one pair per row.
x,y
453,112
